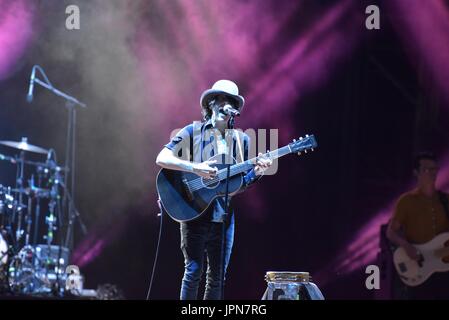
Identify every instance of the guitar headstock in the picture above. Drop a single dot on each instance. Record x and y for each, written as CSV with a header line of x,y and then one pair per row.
x,y
303,144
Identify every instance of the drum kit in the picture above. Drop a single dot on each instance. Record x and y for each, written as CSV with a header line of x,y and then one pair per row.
x,y
31,216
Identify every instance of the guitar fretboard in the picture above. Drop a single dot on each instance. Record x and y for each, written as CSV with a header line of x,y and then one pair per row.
x,y
238,168
249,164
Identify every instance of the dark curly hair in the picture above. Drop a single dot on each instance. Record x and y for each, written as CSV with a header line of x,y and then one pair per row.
x,y
207,111
423,155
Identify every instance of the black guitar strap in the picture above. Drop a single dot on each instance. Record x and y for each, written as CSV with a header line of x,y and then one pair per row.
x,y
444,202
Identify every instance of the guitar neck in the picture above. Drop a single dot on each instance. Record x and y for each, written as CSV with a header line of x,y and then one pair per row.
x,y
249,164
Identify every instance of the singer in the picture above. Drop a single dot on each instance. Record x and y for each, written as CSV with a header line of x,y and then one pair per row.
x,y
189,151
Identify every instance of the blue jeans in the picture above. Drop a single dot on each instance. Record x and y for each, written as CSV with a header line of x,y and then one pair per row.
x,y
199,237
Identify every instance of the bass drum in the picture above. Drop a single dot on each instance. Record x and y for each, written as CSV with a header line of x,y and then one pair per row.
x,y
21,272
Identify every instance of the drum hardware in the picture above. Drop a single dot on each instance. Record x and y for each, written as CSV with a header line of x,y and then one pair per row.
x,y
28,221
50,220
8,158
75,210
8,209
38,194
21,271
39,268
43,168
19,195
20,262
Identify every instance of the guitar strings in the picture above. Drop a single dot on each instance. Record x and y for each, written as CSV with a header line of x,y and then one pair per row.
x,y
199,183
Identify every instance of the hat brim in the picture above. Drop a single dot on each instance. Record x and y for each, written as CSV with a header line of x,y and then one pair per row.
x,y
211,93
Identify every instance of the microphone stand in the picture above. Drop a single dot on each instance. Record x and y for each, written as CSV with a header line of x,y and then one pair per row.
x,y
226,214
71,104
70,154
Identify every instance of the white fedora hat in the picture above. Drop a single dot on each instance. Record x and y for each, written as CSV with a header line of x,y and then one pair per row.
x,y
224,87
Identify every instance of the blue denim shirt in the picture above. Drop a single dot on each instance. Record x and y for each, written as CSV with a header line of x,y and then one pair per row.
x,y
187,139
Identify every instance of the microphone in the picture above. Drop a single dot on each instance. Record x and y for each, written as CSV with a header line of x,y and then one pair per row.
x,y
229,110
31,87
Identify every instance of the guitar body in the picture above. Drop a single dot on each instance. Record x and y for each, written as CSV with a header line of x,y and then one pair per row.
x,y
435,258
185,196
180,203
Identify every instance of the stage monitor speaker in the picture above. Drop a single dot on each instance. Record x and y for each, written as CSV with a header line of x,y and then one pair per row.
x,y
287,285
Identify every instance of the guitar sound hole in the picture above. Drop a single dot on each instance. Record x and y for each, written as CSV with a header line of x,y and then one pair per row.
x,y
209,183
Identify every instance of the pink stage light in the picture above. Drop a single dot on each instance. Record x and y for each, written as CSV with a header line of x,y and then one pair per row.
x,y
96,241
91,253
309,63
15,33
424,29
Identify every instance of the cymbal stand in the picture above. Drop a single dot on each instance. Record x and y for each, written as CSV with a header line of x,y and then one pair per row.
x,y
50,220
70,155
54,215
19,192
42,172
28,217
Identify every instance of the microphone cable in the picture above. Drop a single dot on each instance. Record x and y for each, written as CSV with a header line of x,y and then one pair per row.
x,y
160,214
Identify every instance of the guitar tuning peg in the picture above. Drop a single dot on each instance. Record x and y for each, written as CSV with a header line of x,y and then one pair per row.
x,y
312,149
299,153
294,140
307,135
300,138
305,151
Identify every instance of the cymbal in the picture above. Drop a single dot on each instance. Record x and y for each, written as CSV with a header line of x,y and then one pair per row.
x,y
24,146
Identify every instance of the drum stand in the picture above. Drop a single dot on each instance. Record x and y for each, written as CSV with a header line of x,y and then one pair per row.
x,y
40,172
28,220
19,192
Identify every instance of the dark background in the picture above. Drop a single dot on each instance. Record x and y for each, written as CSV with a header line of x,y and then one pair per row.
x,y
371,107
